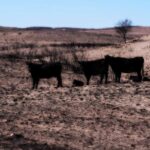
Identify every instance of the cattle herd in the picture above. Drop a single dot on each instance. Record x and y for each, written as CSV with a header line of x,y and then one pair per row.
x,y
89,68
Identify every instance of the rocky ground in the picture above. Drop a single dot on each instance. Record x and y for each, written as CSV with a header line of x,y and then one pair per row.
x,y
94,117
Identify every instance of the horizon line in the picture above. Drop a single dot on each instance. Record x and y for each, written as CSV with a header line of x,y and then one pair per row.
x,y
65,27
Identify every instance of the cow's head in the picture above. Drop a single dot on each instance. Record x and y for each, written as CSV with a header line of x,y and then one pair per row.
x,y
29,65
108,58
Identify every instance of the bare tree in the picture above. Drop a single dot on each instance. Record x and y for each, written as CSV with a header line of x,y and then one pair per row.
x,y
123,27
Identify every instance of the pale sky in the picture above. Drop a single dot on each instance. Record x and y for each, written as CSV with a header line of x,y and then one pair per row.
x,y
69,13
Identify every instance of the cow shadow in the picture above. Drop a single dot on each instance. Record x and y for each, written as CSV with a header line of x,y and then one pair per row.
x,y
18,141
135,78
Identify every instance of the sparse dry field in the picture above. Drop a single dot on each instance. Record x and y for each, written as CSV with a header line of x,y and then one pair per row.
x,y
95,117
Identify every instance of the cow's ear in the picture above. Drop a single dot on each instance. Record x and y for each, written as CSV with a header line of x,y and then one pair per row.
x,y
106,56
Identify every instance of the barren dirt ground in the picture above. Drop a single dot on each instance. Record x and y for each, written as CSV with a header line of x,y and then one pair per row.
x,y
96,117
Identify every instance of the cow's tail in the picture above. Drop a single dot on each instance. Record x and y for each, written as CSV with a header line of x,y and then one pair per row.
x,y
142,70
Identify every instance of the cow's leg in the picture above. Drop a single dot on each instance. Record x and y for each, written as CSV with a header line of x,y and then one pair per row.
x,y
101,78
33,83
59,80
106,78
88,79
36,83
119,77
116,77
139,76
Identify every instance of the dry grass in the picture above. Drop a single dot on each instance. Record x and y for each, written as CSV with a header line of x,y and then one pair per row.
x,y
94,117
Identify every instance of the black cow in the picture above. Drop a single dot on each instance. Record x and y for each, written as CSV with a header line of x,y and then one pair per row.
x,y
125,65
93,68
47,70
